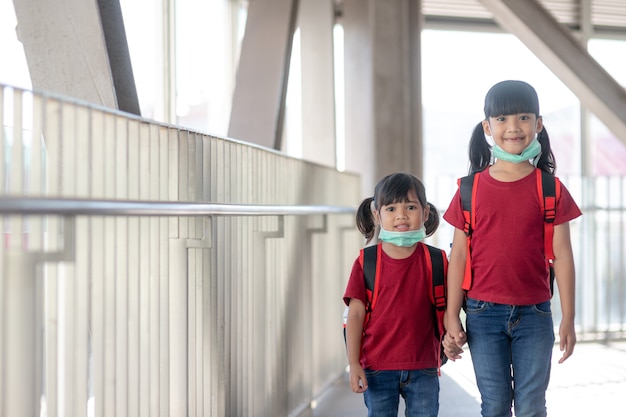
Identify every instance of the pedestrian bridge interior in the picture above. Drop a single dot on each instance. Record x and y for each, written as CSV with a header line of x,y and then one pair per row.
x,y
149,267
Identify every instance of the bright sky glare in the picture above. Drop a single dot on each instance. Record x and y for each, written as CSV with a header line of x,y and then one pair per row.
x,y
461,66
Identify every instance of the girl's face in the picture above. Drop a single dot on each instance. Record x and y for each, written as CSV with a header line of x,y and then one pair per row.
x,y
402,216
513,132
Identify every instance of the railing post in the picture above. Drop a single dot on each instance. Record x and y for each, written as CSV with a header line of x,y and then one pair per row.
x,y
21,363
178,328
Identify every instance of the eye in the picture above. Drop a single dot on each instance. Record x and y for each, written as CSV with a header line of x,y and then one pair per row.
x,y
500,119
524,117
390,208
411,207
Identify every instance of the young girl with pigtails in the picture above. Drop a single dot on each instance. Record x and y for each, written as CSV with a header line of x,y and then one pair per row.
x,y
505,288
396,351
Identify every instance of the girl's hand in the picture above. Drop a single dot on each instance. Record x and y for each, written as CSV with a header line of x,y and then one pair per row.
x,y
567,336
455,337
358,382
451,347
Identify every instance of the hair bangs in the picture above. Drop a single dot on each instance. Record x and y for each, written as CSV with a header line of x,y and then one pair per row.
x,y
511,97
396,188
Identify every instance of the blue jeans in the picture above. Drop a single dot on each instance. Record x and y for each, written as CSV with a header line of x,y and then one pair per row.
x,y
420,390
511,348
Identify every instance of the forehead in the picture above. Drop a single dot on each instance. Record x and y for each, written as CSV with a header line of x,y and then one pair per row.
x,y
513,114
411,197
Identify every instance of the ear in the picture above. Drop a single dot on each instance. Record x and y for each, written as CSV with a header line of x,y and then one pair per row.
x,y
486,127
426,212
375,213
539,124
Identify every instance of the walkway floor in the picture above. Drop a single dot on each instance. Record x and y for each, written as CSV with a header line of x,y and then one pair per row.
x,y
591,382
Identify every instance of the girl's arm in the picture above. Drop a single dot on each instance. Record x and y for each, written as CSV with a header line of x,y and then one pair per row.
x,y
456,295
354,333
566,282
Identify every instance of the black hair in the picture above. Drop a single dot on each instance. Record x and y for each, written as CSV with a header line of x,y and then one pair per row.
x,y
509,97
394,188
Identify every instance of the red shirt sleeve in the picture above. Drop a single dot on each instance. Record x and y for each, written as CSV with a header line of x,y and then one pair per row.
x,y
356,284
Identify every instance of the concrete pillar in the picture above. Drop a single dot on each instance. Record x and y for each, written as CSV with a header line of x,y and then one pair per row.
x,y
316,19
258,107
382,88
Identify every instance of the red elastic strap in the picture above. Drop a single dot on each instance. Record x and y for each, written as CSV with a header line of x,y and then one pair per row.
x,y
548,208
429,267
471,217
467,277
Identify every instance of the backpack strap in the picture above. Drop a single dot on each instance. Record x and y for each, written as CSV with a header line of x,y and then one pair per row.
x,y
549,190
437,264
438,267
467,191
371,269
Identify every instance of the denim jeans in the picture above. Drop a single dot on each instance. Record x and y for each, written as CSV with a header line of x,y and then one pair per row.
x,y
420,390
511,348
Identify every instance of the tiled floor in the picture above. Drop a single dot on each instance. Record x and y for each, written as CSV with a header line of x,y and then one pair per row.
x,y
591,382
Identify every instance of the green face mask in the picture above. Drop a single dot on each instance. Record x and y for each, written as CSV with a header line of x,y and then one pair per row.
x,y
531,151
404,239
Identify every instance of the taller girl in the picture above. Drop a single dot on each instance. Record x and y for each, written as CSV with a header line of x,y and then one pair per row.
x,y
509,322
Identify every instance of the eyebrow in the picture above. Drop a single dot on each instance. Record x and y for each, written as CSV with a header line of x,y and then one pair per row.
x,y
405,202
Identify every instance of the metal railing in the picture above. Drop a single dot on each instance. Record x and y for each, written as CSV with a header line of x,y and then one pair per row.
x,y
123,292
73,207
22,285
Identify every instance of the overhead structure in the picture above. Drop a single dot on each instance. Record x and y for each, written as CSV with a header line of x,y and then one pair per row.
x,y
258,107
564,54
78,48
383,89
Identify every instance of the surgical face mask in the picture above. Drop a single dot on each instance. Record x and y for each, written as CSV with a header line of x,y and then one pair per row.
x,y
404,239
531,151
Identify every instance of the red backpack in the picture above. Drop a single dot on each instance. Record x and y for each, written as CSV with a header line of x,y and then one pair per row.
x,y
437,265
549,190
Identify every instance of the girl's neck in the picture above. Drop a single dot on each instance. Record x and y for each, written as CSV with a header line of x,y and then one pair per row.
x,y
508,172
398,252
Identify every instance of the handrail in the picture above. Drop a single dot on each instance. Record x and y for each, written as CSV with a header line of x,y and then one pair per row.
x,y
65,206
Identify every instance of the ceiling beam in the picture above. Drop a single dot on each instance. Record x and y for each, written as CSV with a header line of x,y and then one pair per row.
x,y
560,51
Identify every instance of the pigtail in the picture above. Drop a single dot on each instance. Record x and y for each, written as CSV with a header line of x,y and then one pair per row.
x,y
432,222
546,160
365,219
479,150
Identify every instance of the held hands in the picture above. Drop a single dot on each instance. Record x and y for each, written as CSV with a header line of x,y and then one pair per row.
x,y
454,339
358,382
452,346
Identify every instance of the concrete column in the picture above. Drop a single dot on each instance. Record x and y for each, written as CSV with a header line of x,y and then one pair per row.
x,y
383,92
258,107
359,121
316,18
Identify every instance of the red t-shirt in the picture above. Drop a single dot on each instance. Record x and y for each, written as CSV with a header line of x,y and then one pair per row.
x,y
507,241
400,334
